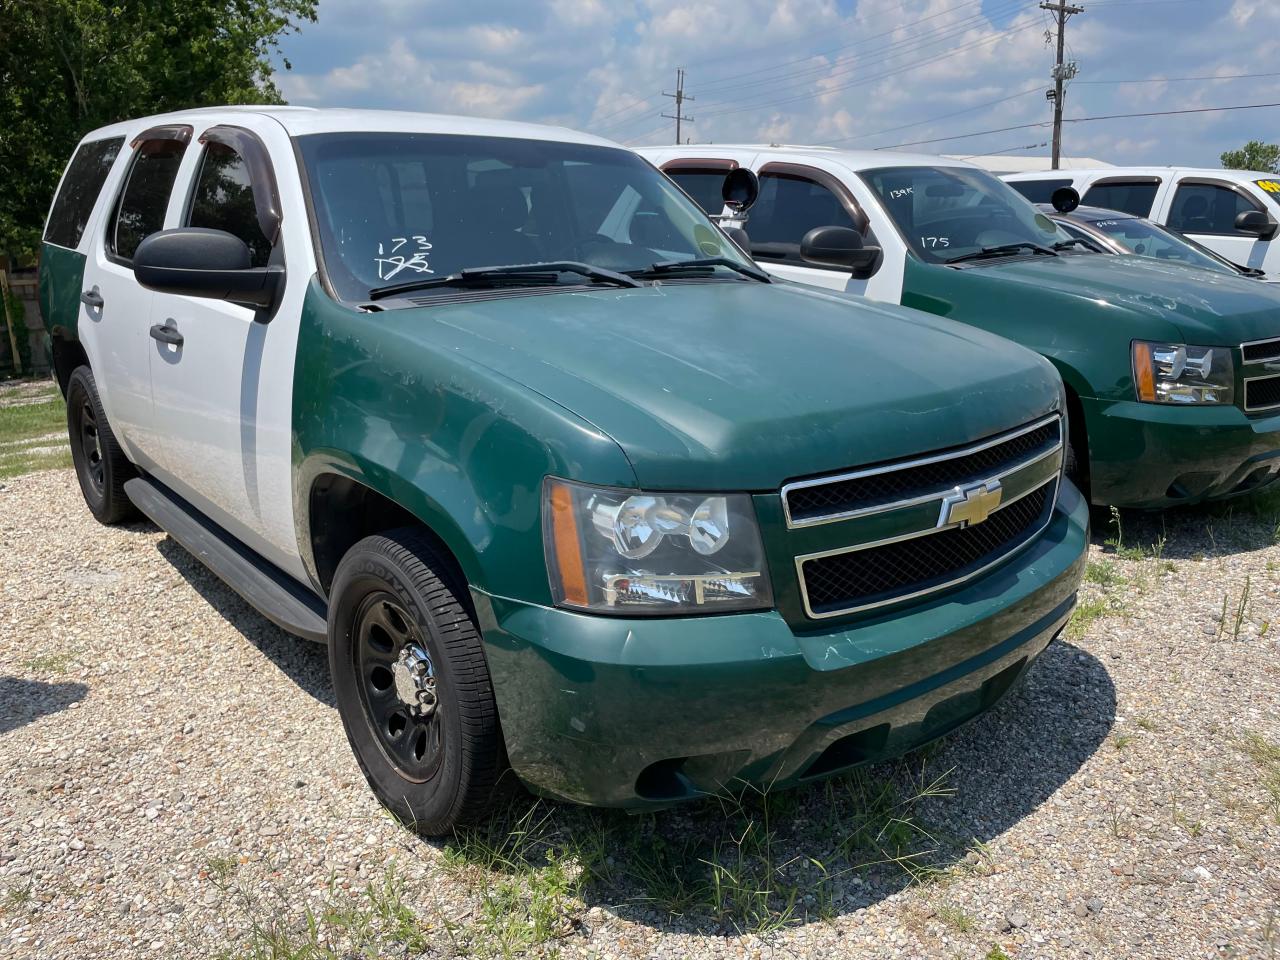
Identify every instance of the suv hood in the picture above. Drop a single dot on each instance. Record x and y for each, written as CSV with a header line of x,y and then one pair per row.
x,y
737,385
1206,307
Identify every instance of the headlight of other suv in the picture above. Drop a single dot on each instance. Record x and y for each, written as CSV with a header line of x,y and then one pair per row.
x,y
632,553
1178,373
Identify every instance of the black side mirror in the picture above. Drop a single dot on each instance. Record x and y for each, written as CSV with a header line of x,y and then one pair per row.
x,y
1257,223
840,247
740,238
198,262
740,189
1065,199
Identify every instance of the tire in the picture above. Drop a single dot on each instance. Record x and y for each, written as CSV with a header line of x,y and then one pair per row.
x,y
412,684
101,466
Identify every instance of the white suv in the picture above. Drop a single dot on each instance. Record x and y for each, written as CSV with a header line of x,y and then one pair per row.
x,y
1232,212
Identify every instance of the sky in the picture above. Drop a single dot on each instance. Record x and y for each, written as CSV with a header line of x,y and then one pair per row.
x,y
854,73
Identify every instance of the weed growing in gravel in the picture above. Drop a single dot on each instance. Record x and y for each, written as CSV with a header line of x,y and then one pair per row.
x,y
957,919
49,663
221,868
344,926
16,897
752,862
1266,757
1086,612
1103,573
997,953
1147,724
1121,741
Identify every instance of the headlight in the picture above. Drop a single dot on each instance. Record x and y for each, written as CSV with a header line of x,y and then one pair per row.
x,y
1177,373
626,552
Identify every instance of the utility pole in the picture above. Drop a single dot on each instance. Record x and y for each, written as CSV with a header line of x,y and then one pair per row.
x,y
1062,72
680,99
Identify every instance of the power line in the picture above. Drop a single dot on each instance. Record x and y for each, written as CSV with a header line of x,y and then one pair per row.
x,y
992,153
955,52
879,55
1113,116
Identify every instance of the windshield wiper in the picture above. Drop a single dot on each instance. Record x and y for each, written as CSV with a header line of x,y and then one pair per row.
x,y
700,265
1004,250
524,273
1076,241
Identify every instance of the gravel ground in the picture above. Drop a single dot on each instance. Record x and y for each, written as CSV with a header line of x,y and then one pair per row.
x,y
174,781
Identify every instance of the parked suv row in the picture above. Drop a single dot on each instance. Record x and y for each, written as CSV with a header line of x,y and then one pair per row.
x,y
1171,371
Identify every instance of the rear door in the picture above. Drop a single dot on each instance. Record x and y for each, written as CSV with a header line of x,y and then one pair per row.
x,y
116,307
1135,195
1205,209
221,373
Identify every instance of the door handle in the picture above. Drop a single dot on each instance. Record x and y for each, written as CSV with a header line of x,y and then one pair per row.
x,y
92,298
166,333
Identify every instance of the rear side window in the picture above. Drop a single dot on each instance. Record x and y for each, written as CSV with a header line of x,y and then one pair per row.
x,y
1135,198
223,200
1208,208
140,209
79,192
1038,191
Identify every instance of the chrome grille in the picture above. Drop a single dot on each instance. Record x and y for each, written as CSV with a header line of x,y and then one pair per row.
x,y
881,573
1260,350
892,485
1262,393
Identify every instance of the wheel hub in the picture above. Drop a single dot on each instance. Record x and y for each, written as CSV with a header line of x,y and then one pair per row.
x,y
415,681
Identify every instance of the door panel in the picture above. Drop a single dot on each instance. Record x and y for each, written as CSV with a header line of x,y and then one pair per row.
x,y
117,329
1206,212
223,394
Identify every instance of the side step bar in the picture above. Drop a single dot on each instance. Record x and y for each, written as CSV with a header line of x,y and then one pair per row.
x,y
268,589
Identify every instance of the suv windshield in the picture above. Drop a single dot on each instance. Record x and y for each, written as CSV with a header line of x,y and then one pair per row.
x,y
392,208
1148,240
949,213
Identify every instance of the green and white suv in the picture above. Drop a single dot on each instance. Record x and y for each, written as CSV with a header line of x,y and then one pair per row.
x,y
577,497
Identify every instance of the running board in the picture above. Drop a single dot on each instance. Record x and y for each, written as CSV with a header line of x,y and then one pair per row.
x,y
266,588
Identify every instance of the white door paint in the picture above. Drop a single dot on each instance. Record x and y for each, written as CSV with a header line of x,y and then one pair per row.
x,y
223,399
115,335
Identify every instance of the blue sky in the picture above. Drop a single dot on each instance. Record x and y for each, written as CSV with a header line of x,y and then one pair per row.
x,y
858,73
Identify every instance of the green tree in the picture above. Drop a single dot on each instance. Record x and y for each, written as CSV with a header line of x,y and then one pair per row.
x,y
68,66
1254,155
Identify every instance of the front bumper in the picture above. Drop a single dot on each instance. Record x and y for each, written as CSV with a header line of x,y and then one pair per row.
x,y
633,712
1151,455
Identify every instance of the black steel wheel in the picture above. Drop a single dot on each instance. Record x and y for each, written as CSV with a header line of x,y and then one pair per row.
x,y
398,686
101,466
412,683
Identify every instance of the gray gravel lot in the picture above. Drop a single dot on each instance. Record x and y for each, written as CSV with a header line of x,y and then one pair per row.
x,y
174,781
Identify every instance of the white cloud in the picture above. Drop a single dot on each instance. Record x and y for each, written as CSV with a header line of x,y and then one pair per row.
x,y
802,70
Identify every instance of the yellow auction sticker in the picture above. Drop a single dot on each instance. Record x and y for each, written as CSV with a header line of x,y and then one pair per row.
x,y
1271,186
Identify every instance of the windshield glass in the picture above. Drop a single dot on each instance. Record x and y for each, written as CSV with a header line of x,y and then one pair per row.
x,y
948,212
391,208
1148,240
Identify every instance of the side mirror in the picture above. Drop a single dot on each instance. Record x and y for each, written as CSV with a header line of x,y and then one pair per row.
x,y
740,189
198,262
740,238
840,247
1065,199
1256,223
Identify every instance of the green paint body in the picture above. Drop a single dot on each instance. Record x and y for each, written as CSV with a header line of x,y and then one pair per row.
x,y
459,412
61,273
1082,313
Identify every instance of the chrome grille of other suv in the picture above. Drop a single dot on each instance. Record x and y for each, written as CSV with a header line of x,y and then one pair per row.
x,y
894,571
920,525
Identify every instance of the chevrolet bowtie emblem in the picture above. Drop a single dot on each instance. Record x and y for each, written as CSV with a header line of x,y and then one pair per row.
x,y
969,505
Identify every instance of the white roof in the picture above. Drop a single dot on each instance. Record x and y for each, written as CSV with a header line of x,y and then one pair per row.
x,y
853,159
299,121
1215,173
1006,164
